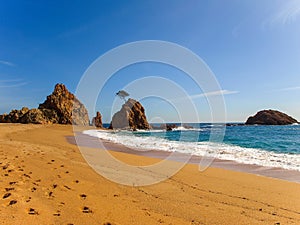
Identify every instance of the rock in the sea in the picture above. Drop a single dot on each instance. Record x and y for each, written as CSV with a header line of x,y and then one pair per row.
x,y
131,116
67,107
97,120
270,117
169,127
60,107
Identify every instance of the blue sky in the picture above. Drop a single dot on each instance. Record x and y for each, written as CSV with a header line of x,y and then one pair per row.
x,y
252,46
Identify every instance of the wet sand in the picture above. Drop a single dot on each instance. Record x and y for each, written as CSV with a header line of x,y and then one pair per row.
x,y
278,173
44,179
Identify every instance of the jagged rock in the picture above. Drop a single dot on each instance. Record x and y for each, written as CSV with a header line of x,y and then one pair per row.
x,y
2,118
60,107
36,116
270,117
131,116
14,116
170,127
97,120
67,107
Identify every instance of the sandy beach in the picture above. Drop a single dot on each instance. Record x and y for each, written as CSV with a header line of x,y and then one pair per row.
x,y
45,180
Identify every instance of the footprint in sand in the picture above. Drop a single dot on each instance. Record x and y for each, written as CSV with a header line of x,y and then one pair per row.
x,y
6,195
83,196
32,211
49,194
4,167
57,213
86,209
26,175
9,189
33,189
12,202
67,187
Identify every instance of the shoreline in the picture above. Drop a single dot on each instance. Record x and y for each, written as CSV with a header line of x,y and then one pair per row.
x,y
44,179
272,172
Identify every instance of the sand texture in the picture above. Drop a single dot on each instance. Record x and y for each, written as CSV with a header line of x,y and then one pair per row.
x,y
45,180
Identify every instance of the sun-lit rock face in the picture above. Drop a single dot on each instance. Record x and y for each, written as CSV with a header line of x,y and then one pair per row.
x,y
131,116
60,107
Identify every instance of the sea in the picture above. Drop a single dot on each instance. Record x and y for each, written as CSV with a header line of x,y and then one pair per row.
x,y
268,146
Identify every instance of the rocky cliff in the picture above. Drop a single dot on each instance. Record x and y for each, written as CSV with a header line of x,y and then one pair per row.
x,y
131,116
270,117
60,107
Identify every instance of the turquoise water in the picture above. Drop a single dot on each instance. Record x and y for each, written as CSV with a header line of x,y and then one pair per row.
x,y
271,146
281,139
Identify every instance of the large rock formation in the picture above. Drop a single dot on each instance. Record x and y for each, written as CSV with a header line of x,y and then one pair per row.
x,y
60,107
67,107
270,117
131,116
97,120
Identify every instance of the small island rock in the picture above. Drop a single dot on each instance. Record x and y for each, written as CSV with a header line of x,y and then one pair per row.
x,y
270,117
131,116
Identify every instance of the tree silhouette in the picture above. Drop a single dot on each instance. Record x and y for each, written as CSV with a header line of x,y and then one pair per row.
x,y
122,95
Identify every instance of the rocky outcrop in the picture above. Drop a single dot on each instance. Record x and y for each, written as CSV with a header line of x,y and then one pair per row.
x,y
39,116
270,117
67,107
14,116
97,120
167,127
25,115
131,116
60,107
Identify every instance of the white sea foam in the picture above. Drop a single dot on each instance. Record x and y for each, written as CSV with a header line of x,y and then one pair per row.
x,y
218,150
186,129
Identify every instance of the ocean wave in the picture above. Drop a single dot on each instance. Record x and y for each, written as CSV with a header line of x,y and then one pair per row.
x,y
186,129
209,149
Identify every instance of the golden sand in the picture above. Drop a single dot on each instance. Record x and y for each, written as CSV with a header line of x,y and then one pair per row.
x,y
45,180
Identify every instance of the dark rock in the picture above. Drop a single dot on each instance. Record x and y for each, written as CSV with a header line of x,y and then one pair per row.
x,y
97,121
270,117
170,127
131,116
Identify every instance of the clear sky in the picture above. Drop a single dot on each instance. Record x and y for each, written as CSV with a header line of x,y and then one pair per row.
x,y
252,46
